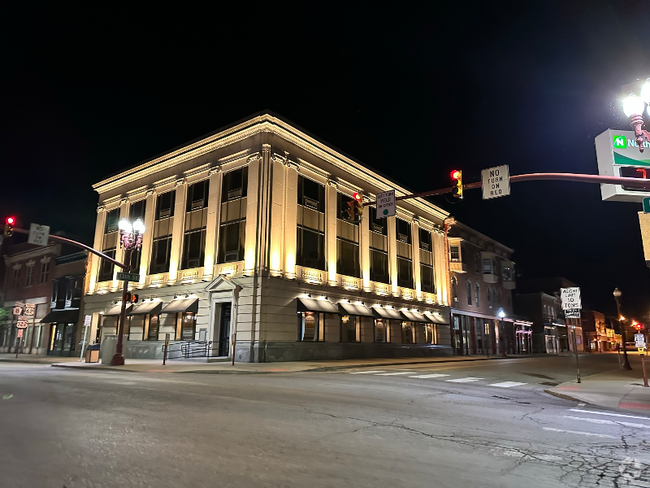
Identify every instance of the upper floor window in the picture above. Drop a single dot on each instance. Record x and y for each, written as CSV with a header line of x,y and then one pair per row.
x,y
162,232
477,294
454,253
45,270
165,205
378,247
28,276
477,262
311,224
377,224
468,289
16,277
487,266
136,211
311,194
403,231
489,294
197,196
506,273
235,184
195,225
347,240
454,288
112,219
425,240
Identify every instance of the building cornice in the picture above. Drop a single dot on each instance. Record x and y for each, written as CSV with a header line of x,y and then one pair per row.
x,y
265,123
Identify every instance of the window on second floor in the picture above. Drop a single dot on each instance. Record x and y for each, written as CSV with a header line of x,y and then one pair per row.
x,y
487,266
310,224
347,241
232,231
196,218
468,289
29,272
454,253
425,240
45,271
477,294
378,247
16,277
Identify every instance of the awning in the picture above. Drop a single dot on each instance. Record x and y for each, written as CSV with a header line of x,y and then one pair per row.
x,y
183,305
351,309
387,313
414,316
61,316
436,317
152,307
313,305
116,309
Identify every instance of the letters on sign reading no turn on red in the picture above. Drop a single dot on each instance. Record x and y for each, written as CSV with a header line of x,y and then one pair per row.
x,y
495,182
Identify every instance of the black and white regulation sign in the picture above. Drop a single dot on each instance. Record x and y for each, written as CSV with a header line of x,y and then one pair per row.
x,y
496,182
571,298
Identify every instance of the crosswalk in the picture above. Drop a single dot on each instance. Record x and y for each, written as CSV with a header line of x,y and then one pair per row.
x,y
419,375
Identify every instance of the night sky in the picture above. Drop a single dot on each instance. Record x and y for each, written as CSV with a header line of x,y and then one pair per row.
x,y
89,91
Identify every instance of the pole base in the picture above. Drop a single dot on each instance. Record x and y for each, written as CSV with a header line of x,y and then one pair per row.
x,y
118,360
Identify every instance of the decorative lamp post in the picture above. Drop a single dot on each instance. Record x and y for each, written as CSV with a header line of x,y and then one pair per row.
x,y
633,106
130,240
502,332
621,323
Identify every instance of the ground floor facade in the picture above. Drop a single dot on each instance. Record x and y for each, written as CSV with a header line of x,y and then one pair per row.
x,y
266,319
476,333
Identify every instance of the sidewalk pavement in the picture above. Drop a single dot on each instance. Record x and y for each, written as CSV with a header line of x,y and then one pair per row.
x,y
613,389
201,366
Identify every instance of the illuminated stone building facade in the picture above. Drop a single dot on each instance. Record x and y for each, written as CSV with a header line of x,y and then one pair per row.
x,y
244,233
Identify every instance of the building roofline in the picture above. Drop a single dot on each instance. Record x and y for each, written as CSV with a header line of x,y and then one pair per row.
x,y
483,236
261,122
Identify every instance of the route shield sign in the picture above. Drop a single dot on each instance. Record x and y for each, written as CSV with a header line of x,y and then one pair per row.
x,y
570,298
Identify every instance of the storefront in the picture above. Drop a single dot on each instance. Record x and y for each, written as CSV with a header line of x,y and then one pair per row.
x,y
523,337
143,321
63,332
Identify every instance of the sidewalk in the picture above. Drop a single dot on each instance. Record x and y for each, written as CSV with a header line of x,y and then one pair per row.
x,y
200,366
613,389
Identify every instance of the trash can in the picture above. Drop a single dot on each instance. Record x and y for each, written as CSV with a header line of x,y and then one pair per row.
x,y
92,353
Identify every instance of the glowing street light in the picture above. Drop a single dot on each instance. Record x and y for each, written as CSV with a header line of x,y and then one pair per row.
x,y
130,240
633,107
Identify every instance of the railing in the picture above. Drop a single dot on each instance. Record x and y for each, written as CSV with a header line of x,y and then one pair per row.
x,y
190,349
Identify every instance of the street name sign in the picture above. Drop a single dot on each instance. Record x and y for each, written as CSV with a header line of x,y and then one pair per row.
x,y
573,313
570,298
386,204
38,234
30,308
128,276
496,182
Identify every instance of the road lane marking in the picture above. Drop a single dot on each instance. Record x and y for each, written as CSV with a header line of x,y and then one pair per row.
x,y
434,375
395,374
469,379
608,422
369,372
508,384
579,432
608,413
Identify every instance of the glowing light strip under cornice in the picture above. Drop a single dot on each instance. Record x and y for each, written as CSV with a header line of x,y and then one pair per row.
x,y
249,128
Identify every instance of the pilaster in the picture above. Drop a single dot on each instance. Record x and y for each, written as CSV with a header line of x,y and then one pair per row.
x,y
212,226
178,230
97,245
290,219
415,257
253,192
330,230
278,224
364,246
119,251
392,252
440,266
147,238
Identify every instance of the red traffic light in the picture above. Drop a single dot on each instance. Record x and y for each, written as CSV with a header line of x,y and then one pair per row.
x,y
455,174
10,220
356,196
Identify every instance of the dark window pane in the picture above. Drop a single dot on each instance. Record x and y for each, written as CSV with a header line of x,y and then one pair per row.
x,y
311,249
106,267
197,196
348,258
311,194
404,273
235,184
112,219
165,205
161,254
377,224
426,277
379,266
231,242
137,211
193,250
425,240
403,231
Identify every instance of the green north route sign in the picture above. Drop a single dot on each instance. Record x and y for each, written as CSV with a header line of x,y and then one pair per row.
x,y
646,205
128,276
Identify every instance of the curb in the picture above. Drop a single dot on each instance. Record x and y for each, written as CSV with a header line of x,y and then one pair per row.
x,y
96,368
564,397
26,361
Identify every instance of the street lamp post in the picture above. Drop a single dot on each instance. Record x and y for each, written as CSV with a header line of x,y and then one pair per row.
x,y
502,333
633,107
130,240
617,296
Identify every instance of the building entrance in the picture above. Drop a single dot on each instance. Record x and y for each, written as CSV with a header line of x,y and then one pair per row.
x,y
224,329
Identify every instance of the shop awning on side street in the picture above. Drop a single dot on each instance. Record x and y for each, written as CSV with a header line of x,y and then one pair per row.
x,y
314,305
182,305
437,317
151,307
61,317
116,309
387,313
414,316
352,309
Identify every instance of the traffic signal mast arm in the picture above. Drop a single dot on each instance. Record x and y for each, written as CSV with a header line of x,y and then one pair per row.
x,y
78,244
577,177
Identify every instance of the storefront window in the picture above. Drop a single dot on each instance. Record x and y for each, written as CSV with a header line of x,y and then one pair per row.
x,y
188,326
408,333
349,328
381,330
154,323
309,326
430,334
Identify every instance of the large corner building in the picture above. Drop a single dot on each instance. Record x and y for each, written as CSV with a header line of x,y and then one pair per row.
x,y
245,239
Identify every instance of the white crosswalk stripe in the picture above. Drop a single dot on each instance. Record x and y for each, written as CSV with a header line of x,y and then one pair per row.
x,y
508,384
395,374
468,379
434,375
368,372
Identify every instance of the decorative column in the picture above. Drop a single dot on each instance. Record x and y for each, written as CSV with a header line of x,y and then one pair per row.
x,y
100,225
212,225
330,230
392,253
415,256
290,218
364,246
177,230
441,273
119,251
277,226
252,223
147,238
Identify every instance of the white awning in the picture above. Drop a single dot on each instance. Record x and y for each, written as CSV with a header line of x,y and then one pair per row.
x,y
116,309
151,307
414,316
352,309
314,305
387,313
436,317
182,305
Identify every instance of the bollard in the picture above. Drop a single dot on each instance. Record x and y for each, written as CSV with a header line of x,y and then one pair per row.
x,y
165,348
645,376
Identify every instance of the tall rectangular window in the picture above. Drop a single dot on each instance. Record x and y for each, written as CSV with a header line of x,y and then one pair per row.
x,y
232,231
378,247
350,328
109,244
45,271
404,254
16,277
196,219
28,276
347,240
162,233
426,262
310,224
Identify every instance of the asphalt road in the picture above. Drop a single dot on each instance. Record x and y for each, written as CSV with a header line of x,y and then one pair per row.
x,y
473,424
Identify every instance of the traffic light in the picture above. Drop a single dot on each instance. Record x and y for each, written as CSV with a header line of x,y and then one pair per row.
x,y
9,226
354,211
637,325
358,197
457,189
131,297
